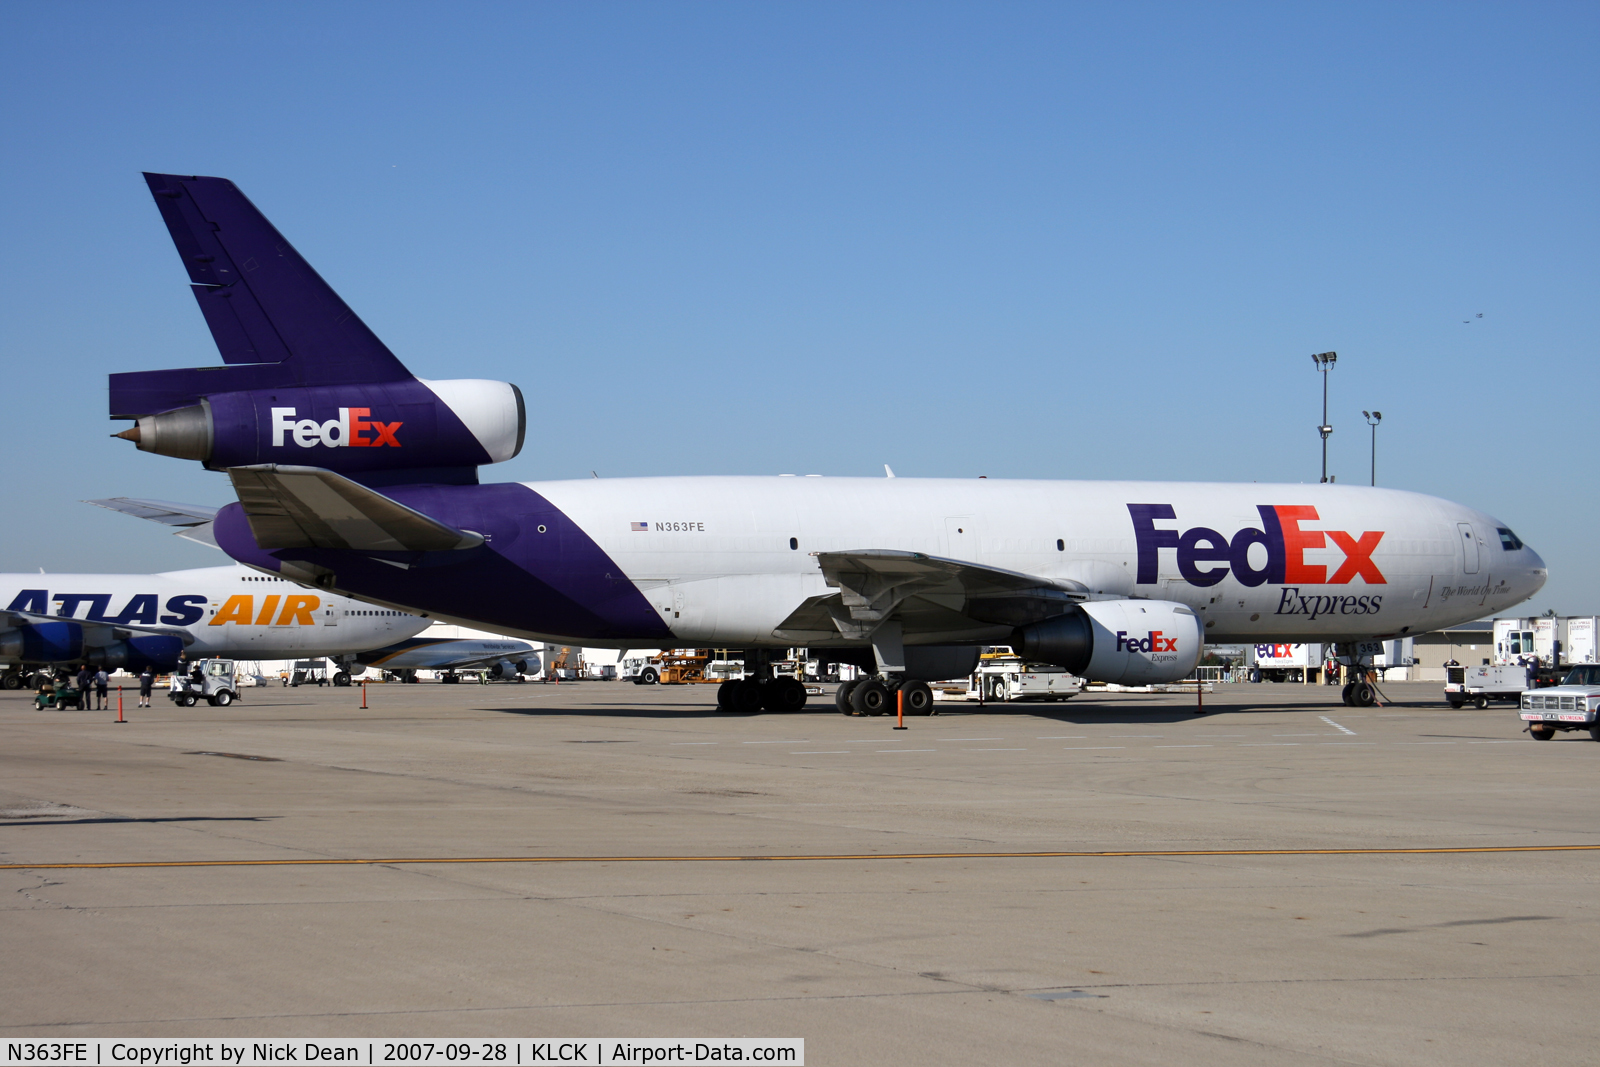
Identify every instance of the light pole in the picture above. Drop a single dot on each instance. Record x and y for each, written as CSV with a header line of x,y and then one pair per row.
x,y
1373,418
1324,362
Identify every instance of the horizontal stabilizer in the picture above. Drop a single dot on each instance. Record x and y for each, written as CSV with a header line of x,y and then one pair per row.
x,y
192,521
308,507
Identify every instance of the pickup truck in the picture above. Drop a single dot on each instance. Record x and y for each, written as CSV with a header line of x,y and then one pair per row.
x,y
1572,705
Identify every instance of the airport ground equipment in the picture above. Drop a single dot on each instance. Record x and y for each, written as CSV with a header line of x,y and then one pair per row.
x,y
1480,685
1002,682
1572,705
355,476
211,680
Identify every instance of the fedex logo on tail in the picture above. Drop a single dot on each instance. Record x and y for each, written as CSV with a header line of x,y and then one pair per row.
x,y
1206,556
350,430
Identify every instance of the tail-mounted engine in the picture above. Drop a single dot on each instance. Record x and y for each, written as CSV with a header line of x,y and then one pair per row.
x,y
1129,642
352,429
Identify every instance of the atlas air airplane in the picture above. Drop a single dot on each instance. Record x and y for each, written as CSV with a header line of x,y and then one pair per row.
x,y
140,620
355,477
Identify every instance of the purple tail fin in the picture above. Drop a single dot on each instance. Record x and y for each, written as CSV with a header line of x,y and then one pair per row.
x,y
275,321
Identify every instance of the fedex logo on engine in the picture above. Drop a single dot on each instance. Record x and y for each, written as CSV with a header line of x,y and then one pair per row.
x,y
349,430
1206,556
1154,641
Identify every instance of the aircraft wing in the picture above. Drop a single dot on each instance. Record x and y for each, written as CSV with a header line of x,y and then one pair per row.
x,y
192,521
441,653
928,594
308,507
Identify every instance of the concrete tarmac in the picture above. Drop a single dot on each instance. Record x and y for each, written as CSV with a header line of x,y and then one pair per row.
x,y
1465,958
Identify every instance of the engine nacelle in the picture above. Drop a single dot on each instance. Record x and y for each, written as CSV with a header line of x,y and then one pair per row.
x,y
158,651
43,642
506,669
62,643
1129,642
352,429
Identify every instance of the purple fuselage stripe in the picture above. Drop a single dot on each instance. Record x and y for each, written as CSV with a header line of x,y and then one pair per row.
x,y
558,582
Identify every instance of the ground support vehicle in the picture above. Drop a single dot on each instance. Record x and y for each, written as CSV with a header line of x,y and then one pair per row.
x,y
1002,681
211,680
1480,685
1572,705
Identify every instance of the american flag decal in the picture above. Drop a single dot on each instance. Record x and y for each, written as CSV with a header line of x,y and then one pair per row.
x,y
638,527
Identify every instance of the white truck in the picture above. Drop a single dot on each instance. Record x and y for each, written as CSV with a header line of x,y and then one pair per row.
x,y
1572,705
1549,638
1480,685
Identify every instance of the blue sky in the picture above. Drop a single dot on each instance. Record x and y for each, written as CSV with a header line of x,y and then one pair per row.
x,y
1018,240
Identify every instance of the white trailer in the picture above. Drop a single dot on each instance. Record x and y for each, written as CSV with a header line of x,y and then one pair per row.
x,y
1282,663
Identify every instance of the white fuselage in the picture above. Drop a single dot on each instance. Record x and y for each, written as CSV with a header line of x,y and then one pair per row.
x,y
230,612
726,560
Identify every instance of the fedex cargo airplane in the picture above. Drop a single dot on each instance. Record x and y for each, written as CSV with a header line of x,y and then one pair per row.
x,y
358,478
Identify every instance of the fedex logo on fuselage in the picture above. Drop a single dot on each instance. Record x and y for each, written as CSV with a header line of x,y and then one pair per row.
x,y
1206,556
349,430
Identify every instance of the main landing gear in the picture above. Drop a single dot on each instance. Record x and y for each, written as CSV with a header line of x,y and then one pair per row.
x,y
760,691
878,696
746,696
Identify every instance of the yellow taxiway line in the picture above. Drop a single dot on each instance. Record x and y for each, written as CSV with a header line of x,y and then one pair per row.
x,y
356,861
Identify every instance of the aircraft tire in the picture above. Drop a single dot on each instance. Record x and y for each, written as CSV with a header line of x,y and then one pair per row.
x,y
841,697
1541,733
744,698
724,694
342,679
870,697
918,698
784,695
1344,694
1362,696
1481,703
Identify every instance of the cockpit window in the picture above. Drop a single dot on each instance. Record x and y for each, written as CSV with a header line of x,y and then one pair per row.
x,y
1583,676
1508,540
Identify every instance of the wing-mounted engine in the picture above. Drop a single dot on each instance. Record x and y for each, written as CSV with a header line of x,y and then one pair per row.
x,y
1129,642
31,638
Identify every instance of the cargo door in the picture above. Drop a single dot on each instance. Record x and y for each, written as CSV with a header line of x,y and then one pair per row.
x,y
1469,548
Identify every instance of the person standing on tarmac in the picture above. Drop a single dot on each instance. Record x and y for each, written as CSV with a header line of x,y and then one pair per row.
x,y
147,681
85,682
102,682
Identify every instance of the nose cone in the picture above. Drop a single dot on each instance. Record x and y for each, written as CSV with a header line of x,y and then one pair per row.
x,y
1536,573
